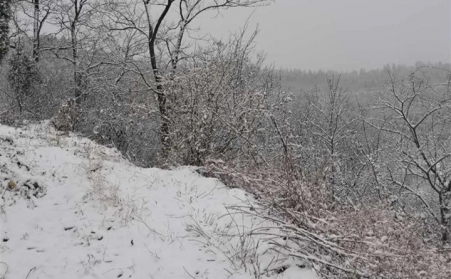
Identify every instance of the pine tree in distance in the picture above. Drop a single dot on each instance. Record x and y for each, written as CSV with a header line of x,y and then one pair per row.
x,y
5,14
23,77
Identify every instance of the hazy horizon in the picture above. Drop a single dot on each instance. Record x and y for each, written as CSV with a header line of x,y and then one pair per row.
x,y
343,36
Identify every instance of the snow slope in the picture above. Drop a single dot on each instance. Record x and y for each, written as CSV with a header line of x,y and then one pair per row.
x,y
73,209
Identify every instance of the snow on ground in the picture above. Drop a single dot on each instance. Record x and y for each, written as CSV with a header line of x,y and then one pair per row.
x,y
73,209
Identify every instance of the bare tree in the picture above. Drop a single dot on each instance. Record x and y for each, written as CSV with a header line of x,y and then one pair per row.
x,y
159,28
42,10
78,42
29,19
418,120
329,119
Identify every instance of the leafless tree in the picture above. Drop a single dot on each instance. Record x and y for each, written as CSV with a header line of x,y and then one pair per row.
x,y
417,118
327,121
30,16
159,29
72,19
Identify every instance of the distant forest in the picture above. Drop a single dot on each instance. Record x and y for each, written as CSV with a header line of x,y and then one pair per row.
x,y
363,81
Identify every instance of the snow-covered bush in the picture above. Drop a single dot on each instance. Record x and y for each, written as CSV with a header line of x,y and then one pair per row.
x,y
216,105
67,117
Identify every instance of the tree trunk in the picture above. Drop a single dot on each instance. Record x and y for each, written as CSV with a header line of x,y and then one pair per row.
x,y
445,214
161,98
77,75
78,79
36,39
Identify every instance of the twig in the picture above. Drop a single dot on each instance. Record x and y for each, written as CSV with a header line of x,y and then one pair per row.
x,y
3,192
189,273
29,272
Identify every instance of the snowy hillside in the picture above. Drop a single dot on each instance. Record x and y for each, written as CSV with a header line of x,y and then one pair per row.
x,y
73,209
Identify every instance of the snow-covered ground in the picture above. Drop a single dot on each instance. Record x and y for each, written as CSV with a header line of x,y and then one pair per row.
x,y
73,209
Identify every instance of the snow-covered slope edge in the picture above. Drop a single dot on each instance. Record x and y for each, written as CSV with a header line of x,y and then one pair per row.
x,y
73,209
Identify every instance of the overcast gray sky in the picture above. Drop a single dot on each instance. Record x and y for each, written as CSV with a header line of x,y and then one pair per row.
x,y
345,35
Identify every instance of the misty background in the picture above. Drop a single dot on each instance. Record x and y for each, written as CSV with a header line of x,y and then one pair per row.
x,y
343,35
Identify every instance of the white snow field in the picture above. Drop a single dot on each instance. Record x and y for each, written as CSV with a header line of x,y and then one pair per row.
x,y
70,208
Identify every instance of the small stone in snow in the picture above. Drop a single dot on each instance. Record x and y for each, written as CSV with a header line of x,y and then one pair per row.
x,y
12,184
